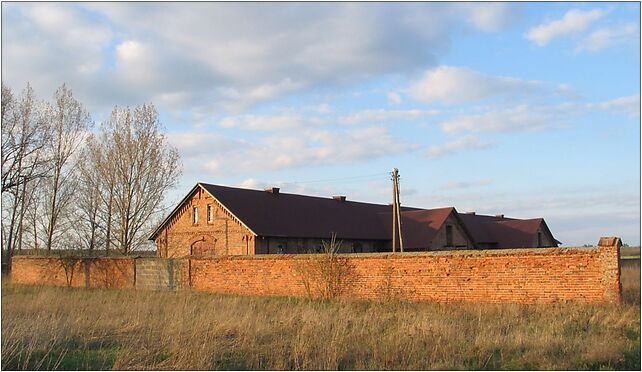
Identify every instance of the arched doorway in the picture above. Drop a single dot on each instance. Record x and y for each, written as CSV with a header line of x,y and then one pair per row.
x,y
205,246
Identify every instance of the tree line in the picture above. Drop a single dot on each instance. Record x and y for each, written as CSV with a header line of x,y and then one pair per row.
x,y
69,185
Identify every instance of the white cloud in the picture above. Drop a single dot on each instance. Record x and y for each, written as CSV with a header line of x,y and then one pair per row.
x,y
264,122
323,108
239,99
381,115
525,117
135,59
451,84
629,105
252,183
67,25
221,155
608,36
458,145
305,188
394,98
287,119
490,17
457,185
573,22
217,56
520,117
48,44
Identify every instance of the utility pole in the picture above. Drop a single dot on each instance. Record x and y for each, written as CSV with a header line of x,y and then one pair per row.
x,y
396,212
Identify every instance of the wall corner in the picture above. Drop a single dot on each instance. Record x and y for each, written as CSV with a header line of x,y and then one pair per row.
x,y
609,257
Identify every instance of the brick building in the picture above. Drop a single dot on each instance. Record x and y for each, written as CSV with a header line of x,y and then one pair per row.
x,y
217,220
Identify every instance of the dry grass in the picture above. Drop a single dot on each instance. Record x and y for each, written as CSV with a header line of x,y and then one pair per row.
x,y
60,328
630,278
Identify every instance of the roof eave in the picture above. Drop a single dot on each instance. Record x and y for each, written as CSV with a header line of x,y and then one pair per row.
x,y
227,209
178,206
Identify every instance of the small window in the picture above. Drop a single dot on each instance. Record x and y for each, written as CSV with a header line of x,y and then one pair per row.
x,y
195,215
210,213
449,235
357,247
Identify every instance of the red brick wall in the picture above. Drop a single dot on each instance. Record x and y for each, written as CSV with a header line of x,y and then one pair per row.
x,y
543,275
519,275
90,272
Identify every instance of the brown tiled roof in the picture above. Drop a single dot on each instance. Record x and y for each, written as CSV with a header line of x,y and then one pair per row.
x,y
301,216
476,224
418,226
502,231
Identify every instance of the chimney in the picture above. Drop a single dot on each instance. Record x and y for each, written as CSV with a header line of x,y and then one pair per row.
x,y
272,190
470,213
499,215
339,198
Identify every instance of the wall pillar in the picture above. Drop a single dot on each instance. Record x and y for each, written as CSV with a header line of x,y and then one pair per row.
x,y
610,261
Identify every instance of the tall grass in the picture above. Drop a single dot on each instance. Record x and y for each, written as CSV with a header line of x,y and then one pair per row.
x,y
61,328
630,279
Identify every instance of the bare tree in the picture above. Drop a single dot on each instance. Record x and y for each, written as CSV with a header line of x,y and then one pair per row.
x,y
106,171
34,222
88,192
137,156
69,122
24,136
56,192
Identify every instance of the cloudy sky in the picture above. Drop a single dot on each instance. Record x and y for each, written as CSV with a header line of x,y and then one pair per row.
x,y
523,109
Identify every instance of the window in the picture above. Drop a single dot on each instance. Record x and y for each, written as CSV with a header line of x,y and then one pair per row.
x,y
357,247
194,215
210,213
449,235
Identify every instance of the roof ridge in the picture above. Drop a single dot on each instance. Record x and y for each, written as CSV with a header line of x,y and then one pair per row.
x,y
304,196
417,210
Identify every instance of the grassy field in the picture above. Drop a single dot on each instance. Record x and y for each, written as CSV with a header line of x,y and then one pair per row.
x,y
630,253
60,328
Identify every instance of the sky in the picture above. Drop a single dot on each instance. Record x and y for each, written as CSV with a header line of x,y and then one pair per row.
x,y
522,109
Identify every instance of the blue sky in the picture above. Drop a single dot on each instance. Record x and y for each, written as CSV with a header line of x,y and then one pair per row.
x,y
525,109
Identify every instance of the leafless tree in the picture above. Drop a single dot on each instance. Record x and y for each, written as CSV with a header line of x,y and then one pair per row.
x,y
143,165
69,122
24,137
88,191
106,171
35,222
57,192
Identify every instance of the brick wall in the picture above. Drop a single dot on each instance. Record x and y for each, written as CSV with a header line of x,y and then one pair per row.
x,y
160,273
542,275
86,272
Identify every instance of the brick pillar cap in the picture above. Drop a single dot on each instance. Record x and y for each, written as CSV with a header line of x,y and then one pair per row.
x,y
609,241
